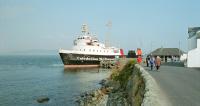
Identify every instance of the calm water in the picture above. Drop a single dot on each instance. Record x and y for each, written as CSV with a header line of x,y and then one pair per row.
x,y
25,78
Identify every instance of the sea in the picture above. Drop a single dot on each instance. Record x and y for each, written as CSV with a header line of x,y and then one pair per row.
x,y
25,78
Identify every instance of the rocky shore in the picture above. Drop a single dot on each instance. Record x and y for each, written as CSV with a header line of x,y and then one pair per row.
x,y
93,98
124,87
108,95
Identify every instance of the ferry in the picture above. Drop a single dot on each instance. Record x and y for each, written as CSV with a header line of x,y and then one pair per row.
x,y
87,51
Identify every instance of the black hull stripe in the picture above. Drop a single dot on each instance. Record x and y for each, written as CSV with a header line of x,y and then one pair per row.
x,y
81,59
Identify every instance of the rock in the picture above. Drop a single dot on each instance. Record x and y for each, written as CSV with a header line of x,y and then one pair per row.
x,y
102,82
99,92
94,98
42,99
96,93
114,84
103,90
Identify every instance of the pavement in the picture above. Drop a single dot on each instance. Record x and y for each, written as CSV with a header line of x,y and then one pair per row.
x,y
180,85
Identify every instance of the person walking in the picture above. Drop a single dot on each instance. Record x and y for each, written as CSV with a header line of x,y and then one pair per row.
x,y
158,62
151,61
147,61
139,59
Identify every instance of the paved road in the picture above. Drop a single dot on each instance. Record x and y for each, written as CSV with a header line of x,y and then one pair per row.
x,y
180,85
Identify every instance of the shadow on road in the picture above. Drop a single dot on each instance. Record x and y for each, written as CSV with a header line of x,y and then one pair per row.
x,y
175,64
149,69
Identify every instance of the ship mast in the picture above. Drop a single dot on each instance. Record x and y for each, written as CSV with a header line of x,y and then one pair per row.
x,y
85,29
109,26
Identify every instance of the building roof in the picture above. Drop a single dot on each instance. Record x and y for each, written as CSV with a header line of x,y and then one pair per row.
x,y
167,52
194,31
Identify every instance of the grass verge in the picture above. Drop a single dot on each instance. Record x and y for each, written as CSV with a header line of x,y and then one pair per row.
x,y
130,81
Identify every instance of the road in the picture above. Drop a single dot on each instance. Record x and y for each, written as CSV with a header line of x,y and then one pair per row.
x,y
181,85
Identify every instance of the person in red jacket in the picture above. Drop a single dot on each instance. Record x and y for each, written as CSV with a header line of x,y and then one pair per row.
x,y
139,59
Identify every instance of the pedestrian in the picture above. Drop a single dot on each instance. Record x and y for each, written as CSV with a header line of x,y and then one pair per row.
x,y
151,61
158,62
147,61
139,59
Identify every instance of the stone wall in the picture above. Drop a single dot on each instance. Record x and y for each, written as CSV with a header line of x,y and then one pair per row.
x,y
136,88
139,90
153,95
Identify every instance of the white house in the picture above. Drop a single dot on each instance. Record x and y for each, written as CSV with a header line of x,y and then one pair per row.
x,y
193,59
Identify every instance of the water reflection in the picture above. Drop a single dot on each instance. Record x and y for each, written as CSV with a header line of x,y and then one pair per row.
x,y
95,70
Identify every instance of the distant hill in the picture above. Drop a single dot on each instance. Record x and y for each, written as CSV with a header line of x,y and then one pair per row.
x,y
31,52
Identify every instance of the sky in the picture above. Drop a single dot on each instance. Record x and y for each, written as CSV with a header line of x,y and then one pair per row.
x,y
31,25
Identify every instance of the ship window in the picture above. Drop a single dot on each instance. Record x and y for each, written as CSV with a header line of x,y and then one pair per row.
x,y
93,50
90,50
80,49
100,50
97,50
83,49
